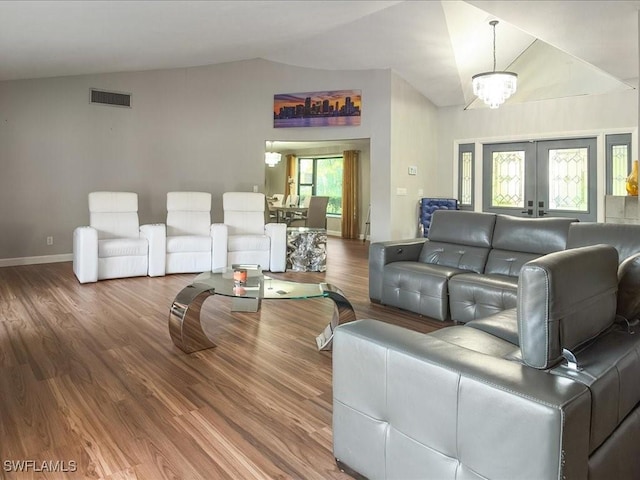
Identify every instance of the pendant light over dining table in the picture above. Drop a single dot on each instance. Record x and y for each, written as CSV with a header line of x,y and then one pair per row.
x,y
272,158
494,87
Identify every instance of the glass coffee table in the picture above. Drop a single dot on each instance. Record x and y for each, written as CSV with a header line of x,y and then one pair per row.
x,y
184,316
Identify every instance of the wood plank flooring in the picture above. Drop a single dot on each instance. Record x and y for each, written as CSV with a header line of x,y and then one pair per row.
x,y
90,379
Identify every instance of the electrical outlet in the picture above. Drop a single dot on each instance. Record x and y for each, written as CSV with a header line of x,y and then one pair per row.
x,y
49,240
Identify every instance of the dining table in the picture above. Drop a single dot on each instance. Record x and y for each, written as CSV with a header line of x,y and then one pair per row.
x,y
286,214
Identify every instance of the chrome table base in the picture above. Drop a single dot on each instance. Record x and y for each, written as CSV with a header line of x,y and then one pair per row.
x,y
185,325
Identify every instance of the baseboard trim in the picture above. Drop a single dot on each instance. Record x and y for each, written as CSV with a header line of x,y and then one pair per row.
x,y
68,257
14,262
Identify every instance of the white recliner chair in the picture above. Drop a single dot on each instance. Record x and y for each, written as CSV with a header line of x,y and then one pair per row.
x,y
244,238
114,245
189,238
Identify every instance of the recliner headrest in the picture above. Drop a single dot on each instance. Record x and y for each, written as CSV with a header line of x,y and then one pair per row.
x,y
565,299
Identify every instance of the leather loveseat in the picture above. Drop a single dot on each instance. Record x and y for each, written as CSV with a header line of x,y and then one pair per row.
x,y
468,266
546,390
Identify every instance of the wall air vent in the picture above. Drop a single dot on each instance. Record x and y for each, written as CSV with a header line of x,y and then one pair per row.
x,y
110,98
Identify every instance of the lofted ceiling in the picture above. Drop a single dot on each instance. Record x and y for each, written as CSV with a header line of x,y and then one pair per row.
x,y
558,48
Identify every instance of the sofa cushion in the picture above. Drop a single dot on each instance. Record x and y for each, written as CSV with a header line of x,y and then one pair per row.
x,y
188,243
239,243
120,247
463,257
503,325
465,228
565,299
507,262
624,237
114,214
473,296
418,287
531,235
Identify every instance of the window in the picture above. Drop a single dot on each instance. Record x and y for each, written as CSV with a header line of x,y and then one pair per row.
x,y
322,176
465,176
618,158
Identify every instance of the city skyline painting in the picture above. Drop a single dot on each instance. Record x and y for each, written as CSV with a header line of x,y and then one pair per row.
x,y
331,108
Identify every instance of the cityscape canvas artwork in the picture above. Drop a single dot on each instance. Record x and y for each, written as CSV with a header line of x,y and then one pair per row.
x,y
317,109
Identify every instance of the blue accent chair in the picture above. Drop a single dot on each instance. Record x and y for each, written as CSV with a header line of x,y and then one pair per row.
x,y
430,205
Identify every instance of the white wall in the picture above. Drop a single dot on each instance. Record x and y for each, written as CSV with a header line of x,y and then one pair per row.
x,y
560,118
198,128
413,143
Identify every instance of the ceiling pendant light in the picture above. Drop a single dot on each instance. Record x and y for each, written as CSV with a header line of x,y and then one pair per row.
x,y
494,87
272,158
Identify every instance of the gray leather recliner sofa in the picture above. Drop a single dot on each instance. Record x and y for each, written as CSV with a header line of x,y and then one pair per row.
x,y
468,267
496,398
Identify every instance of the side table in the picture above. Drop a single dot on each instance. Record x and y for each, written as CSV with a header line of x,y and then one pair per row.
x,y
306,249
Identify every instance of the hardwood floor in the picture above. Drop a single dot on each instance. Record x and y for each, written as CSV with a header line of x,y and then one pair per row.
x,y
90,379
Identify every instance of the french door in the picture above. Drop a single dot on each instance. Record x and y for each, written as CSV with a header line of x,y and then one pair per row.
x,y
533,179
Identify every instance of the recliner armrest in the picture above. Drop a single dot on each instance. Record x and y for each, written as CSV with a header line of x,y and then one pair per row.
x,y
156,235
277,232
219,245
85,254
381,253
410,405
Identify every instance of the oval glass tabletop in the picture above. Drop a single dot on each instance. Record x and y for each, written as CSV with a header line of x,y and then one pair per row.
x,y
258,285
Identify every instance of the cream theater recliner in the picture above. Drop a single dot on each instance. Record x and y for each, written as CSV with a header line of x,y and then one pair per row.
x,y
244,238
114,245
189,241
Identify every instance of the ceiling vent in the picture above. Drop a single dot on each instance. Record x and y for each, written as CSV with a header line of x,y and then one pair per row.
x,y
110,98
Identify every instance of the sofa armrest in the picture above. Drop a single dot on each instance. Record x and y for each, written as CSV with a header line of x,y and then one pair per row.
x,y
277,232
156,235
381,253
85,254
219,245
410,405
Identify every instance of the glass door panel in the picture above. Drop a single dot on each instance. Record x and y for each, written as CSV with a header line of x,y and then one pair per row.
x,y
534,179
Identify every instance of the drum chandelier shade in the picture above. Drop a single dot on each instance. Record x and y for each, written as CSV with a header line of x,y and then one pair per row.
x,y
494,87
272,158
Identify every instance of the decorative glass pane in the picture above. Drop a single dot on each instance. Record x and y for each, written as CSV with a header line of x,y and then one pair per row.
x,y
508,179
619,154
466,178
568,175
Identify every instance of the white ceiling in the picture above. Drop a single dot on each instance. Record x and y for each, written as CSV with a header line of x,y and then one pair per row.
x,y
583,47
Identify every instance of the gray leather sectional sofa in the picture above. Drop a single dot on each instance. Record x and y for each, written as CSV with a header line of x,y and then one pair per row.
x,y
468,267
549,389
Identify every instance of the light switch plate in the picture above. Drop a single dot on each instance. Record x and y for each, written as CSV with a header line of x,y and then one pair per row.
x,y
413,170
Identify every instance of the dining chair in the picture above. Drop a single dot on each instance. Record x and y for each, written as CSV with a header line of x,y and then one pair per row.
x,y
316,216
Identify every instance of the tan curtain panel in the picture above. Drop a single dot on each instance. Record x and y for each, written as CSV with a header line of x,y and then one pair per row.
x,y
290,172
350,194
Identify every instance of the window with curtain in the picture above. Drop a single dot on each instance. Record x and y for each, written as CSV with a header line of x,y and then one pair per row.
x,y
322,176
